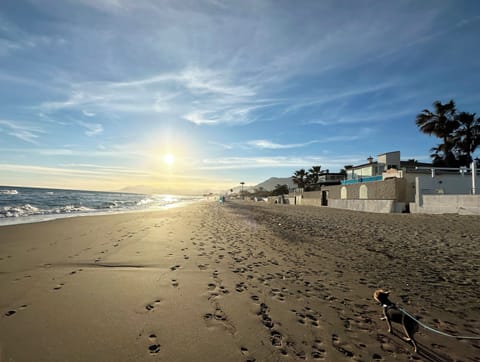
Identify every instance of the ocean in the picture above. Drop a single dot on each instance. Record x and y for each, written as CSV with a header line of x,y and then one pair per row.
x,y
24,204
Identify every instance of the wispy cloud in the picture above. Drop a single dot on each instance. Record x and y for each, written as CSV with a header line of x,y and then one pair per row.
x,y
279,162
112,152
13,38
22,131
207,98
79,170
335,95
276,146
200,117
266,144
88,114
221,145
93,129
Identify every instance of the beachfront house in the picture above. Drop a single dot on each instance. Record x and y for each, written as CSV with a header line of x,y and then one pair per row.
x,y
389,184
313,196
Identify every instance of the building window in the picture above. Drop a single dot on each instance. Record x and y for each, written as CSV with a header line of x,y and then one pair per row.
x,y
364,192
343,193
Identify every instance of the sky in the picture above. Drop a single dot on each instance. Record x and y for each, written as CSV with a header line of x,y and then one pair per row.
x,y
95,93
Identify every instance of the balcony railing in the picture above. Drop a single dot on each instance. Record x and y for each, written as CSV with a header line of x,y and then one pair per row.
x,y
362,179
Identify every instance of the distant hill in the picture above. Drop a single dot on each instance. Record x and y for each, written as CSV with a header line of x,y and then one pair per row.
x,y
269,185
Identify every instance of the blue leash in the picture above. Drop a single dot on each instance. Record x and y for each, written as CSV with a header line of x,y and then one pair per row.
x,y
435,330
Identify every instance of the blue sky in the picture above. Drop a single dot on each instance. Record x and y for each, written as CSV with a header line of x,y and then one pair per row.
x,y
93,93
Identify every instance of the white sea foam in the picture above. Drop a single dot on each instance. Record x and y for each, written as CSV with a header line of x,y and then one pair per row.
x,y
145,202
16,211
69,209
8,192
23,205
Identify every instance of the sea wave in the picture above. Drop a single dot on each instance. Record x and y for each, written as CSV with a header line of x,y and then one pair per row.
x,y
69,209
29,210
8,192
17,211
145,202
110,205
18,205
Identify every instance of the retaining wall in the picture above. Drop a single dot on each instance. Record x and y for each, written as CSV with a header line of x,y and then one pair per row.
x,y
391,189
379,206
447,204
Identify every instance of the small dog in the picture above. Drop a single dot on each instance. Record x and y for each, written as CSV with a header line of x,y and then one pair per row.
x,y
392,314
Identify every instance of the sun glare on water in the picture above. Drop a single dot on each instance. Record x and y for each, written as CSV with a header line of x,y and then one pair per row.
x,y
169,159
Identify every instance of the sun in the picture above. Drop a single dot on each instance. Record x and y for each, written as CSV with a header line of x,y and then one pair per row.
x,y
168,159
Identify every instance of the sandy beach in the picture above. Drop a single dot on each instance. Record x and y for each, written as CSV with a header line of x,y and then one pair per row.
x,y
238,282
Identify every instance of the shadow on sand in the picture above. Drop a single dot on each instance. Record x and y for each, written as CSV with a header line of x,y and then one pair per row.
x,y
425,353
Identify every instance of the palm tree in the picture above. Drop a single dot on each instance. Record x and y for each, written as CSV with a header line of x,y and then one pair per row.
x,y
442,154
300,178
442,122
242,183
314,174
467,137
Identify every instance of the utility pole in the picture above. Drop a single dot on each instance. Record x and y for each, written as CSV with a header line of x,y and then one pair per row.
x,y
474,176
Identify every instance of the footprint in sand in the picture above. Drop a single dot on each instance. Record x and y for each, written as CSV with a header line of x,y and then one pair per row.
x,y
153,348
14,311
277,294
339,348
240,287
59,286
28,276
175,267
263,313
224,290
151,306
174,283
75,271
318,350
276,338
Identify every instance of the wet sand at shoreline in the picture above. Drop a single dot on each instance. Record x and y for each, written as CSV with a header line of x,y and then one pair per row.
x,y
239,282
